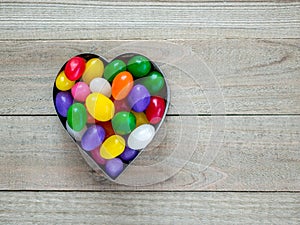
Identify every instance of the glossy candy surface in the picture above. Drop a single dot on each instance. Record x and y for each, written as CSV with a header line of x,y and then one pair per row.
x,y
94,68
129,154
121,105
107,126
63,101
123,122
111,109
113,68
80,91
121,85
63,83
75,68
156,109
97,157
114,167
77,116
139,98
100,107
141,136
77,135
112,147
100,85
92,138
139,66
140,118
154,82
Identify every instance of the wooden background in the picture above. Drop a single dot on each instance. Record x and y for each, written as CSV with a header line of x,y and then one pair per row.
x,y
252,48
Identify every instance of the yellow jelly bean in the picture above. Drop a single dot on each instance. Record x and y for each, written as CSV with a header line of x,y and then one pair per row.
x,y
112,147
93,68
140,118
100,107
63,83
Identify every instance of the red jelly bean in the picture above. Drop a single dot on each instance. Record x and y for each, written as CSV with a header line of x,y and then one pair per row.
x,y
109,130
121,105
155,110
75,68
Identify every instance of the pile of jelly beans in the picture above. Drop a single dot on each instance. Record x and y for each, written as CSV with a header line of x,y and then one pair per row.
x,y
112,110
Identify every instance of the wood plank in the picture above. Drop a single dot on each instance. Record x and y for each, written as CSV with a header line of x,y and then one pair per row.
x,y
149,208
154,20
258,153
255,76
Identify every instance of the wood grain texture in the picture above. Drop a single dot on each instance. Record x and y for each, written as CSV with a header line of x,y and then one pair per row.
x,y
258,153
148,20
149,208
255,76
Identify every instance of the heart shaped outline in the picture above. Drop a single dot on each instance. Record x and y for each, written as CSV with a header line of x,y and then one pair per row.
x,y
124,57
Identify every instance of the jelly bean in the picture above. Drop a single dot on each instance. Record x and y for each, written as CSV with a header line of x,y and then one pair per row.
x,y
113,68
107,126
75,68
63,101
141,136
63,83
77,135
80,91
90,119
114,167
112,147
140,118
100,85
139,66
121,105
94,68
154,82
139,98
77,116
129,154
93,137
121,85
100,107
97,157
156,109
123,122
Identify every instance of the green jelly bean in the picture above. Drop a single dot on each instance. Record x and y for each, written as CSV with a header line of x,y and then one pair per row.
x,y
154,82
139,66
113,69
123,122
77,116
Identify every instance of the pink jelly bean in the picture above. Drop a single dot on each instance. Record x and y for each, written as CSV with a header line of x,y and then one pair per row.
x,y
80,91
97,157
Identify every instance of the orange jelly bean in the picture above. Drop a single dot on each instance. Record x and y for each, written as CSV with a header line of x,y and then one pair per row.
x,y
122,85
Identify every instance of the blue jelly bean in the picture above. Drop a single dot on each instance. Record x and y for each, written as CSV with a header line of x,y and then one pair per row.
x,y
129,154
139,98
93,137
114,167
63,101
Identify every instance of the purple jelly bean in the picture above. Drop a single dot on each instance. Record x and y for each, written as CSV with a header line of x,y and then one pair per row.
x,y
129,154
92,138
139,98
114,167
63,101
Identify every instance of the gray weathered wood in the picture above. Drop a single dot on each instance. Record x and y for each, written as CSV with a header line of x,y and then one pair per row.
x,y
149,208
255,76
258,153
148,20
